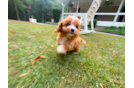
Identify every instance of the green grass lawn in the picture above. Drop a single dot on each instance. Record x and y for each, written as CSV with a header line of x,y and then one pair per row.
x,y
101,60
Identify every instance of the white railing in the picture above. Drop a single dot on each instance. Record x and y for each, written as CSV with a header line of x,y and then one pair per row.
x,y
66,14
110,23
100,23
82,14
109,13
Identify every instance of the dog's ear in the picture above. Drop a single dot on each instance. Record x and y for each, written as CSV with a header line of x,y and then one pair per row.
x,y
78,25
59,28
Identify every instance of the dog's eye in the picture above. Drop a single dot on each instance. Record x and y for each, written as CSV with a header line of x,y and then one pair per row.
x,y
76,26
68,24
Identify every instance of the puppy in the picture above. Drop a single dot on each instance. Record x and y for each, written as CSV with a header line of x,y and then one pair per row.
x,y
68,35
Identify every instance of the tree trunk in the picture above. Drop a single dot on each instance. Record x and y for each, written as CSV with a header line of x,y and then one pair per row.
x,y
18,18
42,18
28,14
24,15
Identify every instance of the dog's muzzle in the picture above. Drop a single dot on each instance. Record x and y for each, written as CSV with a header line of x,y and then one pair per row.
x,y
72,31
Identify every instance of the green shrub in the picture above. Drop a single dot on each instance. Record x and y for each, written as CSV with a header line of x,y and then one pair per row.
x,y
111,28
120,28
108,3
95,22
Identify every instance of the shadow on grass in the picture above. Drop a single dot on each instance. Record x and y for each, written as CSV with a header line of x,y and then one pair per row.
x,y
68,58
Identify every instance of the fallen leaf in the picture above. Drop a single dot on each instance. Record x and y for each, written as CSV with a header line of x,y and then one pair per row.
x,y
110,48
70,79
105,65
42,56
51,45
28,47
122,55
37,58
62,77
116,83
106,86
15,72
101,85
14,46
61,84
23,74
58,72
85,46
39,47
119,78
45,48
31,83
81,63
99,56
34,38
113,53
42,40
95,51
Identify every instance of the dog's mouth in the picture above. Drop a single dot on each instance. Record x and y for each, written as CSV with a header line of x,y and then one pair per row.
x,y
70,34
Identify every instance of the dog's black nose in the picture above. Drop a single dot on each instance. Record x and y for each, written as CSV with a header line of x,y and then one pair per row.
x,y
72,30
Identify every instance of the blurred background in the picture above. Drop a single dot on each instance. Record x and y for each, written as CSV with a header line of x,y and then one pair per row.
x,y
42,10
45,10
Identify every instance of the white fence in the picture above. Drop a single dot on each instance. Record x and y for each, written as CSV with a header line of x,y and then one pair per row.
x,y
101,23
110,23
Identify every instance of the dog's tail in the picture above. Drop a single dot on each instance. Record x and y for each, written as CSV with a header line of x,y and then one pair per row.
x,y
83,41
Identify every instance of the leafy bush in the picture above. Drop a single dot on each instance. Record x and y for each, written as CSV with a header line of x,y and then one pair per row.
x,y
120,28
111,27
108,3
95,22
70,3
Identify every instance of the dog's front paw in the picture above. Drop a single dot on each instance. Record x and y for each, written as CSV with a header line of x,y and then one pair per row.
x,y
61,49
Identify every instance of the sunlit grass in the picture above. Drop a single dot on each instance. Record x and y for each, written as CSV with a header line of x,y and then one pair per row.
x,y
100,61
